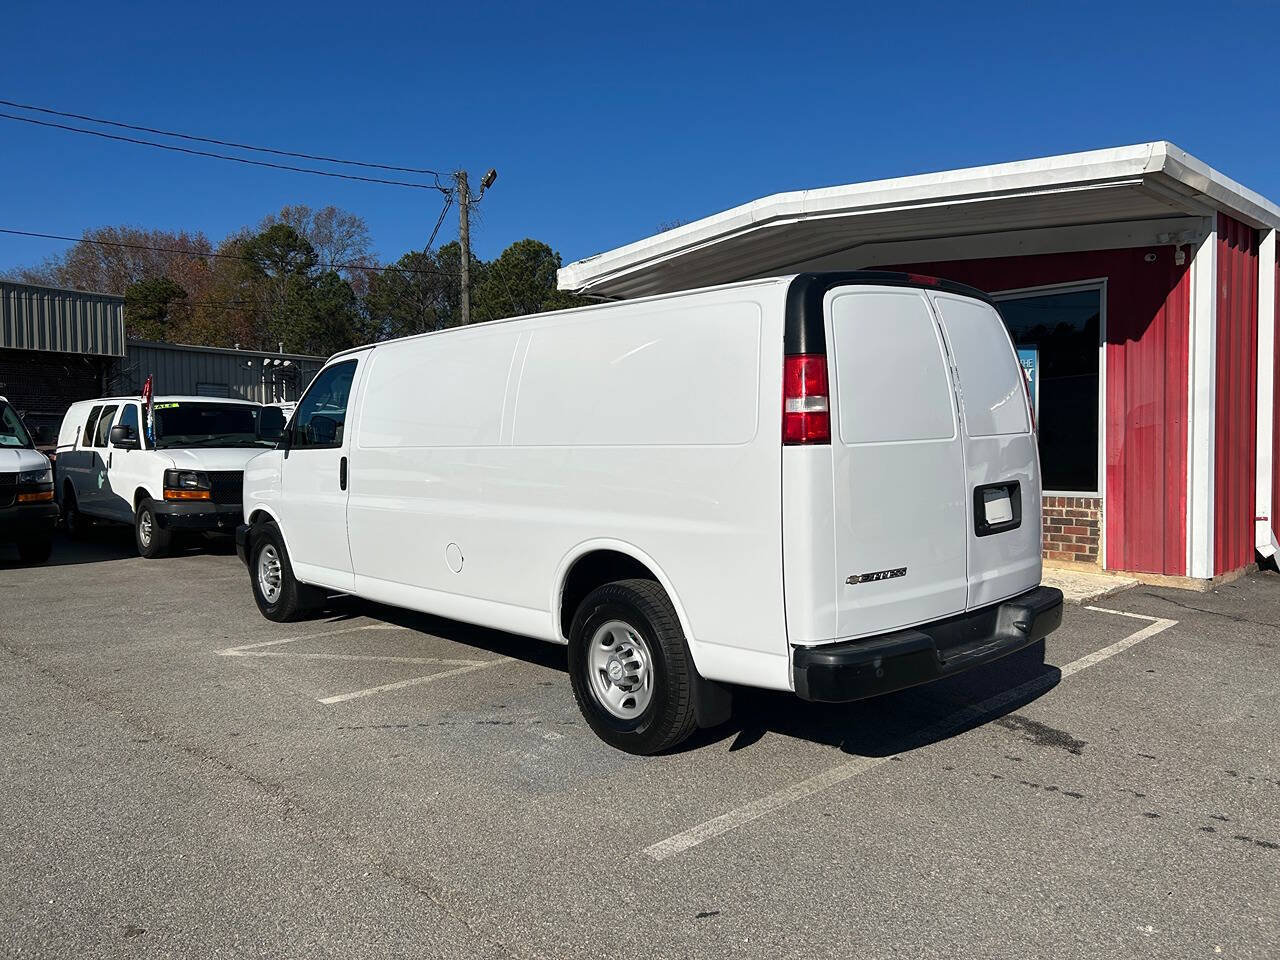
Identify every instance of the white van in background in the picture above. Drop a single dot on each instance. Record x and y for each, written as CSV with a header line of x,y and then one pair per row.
x,y
825,483
27,511
188,478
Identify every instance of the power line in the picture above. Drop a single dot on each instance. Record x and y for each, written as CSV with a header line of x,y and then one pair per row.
x,y
448,201
221,143
224,156
336,265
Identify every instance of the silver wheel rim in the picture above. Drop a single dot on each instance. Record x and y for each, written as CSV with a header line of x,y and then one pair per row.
x,y
144,528
270,575
620,667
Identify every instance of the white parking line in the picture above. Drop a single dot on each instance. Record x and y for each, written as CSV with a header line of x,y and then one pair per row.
x,y
239,651
370,657
414,681
951,724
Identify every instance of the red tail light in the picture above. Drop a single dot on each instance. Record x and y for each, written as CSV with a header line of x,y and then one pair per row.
x,y
806,413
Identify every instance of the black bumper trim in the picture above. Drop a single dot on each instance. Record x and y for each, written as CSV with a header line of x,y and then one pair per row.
x,y
183,515
242,543
857,669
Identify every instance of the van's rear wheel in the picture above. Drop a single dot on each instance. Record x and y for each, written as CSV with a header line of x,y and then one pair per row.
x,y
153,540
77,523
630,667
279,595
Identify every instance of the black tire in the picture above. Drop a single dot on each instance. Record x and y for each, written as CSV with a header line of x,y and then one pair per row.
x,y
294,599
153,540
36,549
643,606
77,523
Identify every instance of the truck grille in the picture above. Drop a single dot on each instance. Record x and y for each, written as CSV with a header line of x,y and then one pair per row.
x,y
8,489
227,486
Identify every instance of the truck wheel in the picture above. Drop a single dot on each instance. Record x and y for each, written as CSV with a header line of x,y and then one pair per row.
x,y
630,667
153,540
36,549
279,595
77,523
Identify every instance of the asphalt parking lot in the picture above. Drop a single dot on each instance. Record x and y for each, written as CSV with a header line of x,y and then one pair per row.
x,y
184,778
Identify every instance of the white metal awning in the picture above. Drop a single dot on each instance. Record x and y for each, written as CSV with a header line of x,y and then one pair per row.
x,y
778,234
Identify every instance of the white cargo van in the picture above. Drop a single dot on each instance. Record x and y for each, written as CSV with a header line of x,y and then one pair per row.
x,y
27,510
825,483
184,474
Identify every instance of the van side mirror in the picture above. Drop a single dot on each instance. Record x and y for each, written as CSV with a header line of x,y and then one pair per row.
x,y
123,435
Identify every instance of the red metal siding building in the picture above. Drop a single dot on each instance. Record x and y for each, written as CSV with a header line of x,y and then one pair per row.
x,y
1140,287
1148,298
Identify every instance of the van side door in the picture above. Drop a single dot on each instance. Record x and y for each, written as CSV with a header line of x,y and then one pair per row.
x,y
313,479
73,462
126,467
95,493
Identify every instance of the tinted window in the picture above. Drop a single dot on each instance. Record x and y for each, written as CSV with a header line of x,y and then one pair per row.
x,y
12,432
129,418
104,426
322,414
86,437
1059,333
212,424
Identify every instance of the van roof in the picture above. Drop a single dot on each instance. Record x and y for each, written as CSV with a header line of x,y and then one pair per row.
x,y
824,280
173,399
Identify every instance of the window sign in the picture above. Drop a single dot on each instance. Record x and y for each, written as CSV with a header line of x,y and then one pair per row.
x,y
1029,357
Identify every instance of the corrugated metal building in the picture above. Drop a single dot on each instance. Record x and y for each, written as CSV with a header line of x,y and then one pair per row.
x,y
1138,283
59,346
56,346
215,372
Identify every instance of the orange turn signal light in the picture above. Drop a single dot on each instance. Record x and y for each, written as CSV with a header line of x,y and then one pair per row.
x,y
172,494
41,496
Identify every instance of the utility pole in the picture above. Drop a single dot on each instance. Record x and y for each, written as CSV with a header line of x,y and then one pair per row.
x,y
464,239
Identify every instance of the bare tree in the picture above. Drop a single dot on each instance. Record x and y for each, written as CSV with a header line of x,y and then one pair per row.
x,y
111,259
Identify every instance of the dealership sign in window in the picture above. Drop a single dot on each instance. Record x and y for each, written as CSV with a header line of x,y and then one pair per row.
x,y
1057,334
1029,357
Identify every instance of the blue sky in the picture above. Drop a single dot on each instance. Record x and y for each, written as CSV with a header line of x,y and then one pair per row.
x,y
603,121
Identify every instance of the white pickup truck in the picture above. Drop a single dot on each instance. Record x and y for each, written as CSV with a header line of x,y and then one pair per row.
x,y
184,474
27,511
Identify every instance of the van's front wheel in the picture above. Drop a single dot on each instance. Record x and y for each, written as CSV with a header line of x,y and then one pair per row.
x,y
153,540
630,667
279,595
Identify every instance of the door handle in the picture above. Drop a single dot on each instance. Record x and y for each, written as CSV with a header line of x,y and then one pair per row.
x,y
342,473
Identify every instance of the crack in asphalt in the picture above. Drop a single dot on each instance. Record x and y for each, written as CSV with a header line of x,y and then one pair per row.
x,y
1213,613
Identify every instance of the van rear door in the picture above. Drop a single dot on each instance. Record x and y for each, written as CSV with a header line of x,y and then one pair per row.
x,y
898,460
1002,464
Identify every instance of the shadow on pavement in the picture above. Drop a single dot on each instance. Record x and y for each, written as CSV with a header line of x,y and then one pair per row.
x,y
105,542
879,727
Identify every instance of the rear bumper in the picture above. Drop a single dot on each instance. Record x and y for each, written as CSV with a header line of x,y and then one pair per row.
x,y
870,666
181,515
24,521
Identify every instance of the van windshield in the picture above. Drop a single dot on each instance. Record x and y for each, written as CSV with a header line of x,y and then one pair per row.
x,y
12,432
216,425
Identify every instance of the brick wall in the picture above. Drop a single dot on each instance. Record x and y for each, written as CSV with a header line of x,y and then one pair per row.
x,y
1071,528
